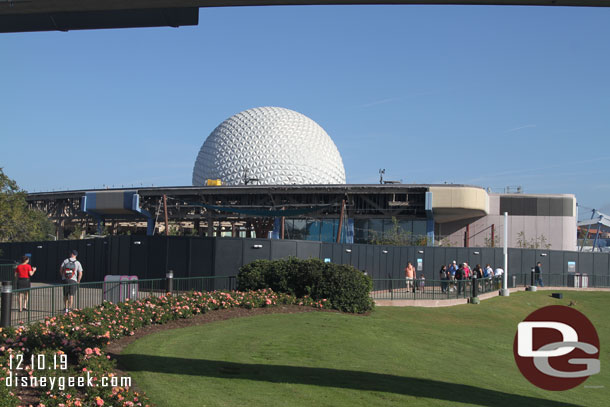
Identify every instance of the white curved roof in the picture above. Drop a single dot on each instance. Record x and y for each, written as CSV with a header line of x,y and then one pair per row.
x,y
277,146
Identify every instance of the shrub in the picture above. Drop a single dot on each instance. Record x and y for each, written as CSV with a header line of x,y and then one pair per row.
x,y
346,288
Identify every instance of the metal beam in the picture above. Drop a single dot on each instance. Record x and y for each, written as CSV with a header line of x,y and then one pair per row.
x,y
64,15
32,7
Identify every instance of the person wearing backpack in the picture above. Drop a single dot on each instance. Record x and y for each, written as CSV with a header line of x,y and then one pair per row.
x,y
444,274
71,272
460,275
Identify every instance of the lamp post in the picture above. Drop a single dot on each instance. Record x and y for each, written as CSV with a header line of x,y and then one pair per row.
x,y
505,292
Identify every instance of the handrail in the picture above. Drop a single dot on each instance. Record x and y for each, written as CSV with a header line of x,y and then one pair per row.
x,y
45,301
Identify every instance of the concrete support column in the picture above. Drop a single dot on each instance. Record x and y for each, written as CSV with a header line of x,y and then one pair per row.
x,y
248,230
430,220
210,232
234,230
60,229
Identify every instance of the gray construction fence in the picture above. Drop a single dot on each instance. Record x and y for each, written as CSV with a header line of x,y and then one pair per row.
x,y
150,257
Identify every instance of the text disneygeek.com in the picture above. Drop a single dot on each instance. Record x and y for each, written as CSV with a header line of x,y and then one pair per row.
x,y
20,374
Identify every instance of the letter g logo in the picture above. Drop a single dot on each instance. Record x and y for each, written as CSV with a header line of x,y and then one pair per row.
x,y
553,345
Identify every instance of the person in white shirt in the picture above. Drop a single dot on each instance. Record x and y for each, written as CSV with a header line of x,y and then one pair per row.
x,y
71,272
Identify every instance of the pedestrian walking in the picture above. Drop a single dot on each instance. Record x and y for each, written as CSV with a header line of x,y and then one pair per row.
x,y
410,276
71,272
23,272
538,274
460,275
444,275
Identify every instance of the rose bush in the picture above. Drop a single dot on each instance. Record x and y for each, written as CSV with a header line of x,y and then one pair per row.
x,y
82,335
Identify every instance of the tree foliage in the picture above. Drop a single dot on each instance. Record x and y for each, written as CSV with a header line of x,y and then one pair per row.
x,y
18,222
397,236
533,243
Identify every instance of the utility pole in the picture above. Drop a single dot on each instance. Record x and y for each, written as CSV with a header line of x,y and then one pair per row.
x,y
165,210
341,221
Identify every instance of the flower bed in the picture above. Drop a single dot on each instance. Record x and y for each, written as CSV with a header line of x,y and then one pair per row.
x,y
79,339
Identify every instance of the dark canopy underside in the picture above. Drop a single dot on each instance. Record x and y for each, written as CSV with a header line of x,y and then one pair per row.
x,y
64,15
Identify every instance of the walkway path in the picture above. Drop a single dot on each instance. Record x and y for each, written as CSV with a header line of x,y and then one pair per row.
x,y
459,301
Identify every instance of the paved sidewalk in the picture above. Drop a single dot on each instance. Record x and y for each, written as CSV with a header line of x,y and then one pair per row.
x,y
459,301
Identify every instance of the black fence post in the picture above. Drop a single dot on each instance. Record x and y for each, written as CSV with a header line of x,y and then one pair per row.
x,y
169,281
6,302
474,286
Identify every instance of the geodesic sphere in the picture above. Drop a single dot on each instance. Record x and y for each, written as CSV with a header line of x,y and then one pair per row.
x,y
274,145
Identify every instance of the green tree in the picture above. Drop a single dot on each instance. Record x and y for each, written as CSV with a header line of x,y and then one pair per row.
x,y
397,236
18,222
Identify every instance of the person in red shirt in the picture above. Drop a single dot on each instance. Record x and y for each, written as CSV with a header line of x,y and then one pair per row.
x,y
467,271
23,272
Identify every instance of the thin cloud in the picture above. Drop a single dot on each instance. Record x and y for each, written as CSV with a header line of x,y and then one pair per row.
x,y
380,102
527,126
395,99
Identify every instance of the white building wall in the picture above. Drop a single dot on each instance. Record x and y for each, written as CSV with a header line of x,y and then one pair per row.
x,y
559,231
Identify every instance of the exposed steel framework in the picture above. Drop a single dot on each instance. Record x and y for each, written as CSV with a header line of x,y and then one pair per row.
x,y
199,204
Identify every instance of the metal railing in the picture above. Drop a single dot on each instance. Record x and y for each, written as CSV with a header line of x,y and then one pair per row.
x,y
49,301
401,289
577,280
205,284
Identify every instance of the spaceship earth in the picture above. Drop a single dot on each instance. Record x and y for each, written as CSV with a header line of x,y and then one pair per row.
x,y
274,146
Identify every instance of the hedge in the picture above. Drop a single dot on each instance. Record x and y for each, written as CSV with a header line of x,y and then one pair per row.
x,y
346,288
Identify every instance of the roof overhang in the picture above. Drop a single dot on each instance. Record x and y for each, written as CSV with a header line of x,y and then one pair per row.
x,y
451,203
600,220
64,15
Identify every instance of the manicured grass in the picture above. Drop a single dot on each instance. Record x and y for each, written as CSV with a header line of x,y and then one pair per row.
x,y
394,357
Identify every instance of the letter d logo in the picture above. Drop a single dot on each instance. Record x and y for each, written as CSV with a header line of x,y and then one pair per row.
x,y
556,348
526,338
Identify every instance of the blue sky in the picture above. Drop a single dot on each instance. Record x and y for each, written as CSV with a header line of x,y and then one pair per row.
x,y
490,96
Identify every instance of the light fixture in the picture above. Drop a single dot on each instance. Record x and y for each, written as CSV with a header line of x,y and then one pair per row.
x,y
475,252
543,254
39,247
384,251
137,242
348,250
420,251
258,246
169,274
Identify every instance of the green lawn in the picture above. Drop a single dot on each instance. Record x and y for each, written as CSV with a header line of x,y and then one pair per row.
x,y
395,357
